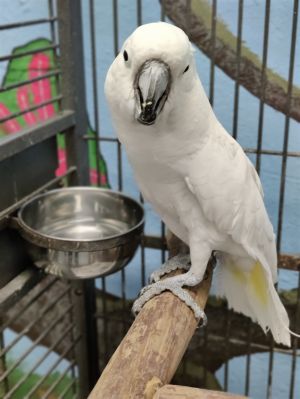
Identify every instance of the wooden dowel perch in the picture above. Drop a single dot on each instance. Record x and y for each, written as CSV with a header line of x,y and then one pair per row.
x,y
150,353
179,392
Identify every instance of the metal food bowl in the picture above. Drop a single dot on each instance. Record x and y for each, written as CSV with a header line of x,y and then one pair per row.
x,y
84,232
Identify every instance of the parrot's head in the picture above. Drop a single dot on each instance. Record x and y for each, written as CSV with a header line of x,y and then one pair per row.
x,y
151,74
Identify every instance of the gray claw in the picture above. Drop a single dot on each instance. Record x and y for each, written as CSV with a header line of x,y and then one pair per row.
x,y
152,290
181,261
145,289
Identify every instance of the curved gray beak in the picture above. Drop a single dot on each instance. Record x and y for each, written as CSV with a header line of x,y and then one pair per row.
x,y
152,85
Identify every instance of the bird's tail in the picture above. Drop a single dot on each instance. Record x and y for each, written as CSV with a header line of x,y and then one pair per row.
x,y
251,291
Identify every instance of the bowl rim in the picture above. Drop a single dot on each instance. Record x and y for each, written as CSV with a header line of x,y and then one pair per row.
x,y
50,241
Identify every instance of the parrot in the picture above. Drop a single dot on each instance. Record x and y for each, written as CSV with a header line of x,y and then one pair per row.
x,y
196,177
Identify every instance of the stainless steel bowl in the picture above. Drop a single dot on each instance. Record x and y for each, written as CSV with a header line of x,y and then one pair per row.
x,y
84,232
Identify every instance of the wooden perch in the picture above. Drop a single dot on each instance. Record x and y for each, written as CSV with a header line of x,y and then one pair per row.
x,y
153,347
194,17
176,391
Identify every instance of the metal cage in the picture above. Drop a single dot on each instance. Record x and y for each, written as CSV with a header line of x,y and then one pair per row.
x,y
80,324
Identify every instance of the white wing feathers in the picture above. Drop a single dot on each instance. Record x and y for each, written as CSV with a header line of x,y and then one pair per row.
x,y
230,194
256,177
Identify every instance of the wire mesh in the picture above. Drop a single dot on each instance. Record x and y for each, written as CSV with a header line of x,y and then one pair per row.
x,y
37,358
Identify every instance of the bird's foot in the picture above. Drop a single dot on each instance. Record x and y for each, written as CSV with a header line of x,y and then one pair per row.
x,y
181,261
173,284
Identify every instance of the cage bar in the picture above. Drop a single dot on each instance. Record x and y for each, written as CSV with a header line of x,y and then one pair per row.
x,y
56,321
294,344
263,84
95,84
284,166
53,32
213,47
40,360
13,144
30,109
59,380
287,121
72,384
25,330
4,385
73,90
4,214
53,366
27,305
22,24
237,76
50,74
25,53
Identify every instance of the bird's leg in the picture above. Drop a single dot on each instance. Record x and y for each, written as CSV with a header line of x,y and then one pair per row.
x,y
180,261
175,283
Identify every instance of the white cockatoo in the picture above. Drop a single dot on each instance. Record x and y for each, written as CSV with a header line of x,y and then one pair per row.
x,y
195,175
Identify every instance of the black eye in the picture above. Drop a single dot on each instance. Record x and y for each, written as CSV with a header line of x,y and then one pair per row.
x,y
186,69
125,55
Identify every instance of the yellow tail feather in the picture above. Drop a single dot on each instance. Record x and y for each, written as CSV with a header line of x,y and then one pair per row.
x,y
255,278
250,290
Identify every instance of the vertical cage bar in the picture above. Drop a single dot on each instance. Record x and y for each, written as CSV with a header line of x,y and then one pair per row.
x,y
227,344
248,358
73,89
105,322
162,13
139,12
72,335
263,84
95,86
86,352
116,50
258,159
163,236
120,169
162,226
119,155
295,344
91,331
284,158
4,385
287,122
205,343
54,41
211,100
213,45
143,266
270,369
97,144
234,134
139,21
237,76
143,260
